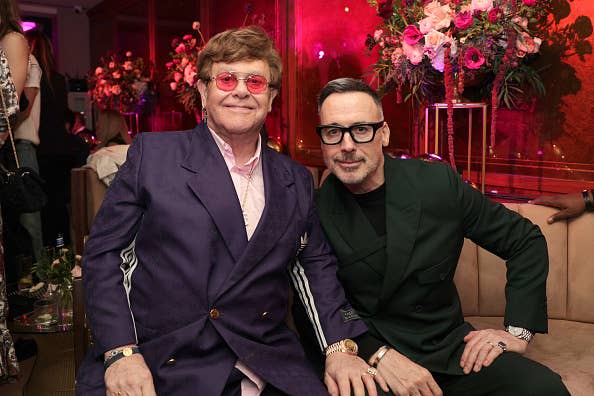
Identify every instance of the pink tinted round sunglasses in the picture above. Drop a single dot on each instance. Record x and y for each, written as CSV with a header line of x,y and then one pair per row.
x,y
227,81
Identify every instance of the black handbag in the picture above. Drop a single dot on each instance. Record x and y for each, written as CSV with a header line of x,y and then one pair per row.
x,y
21,190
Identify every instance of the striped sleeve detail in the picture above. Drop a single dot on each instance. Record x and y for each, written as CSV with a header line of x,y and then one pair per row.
x,y
129,264
302,286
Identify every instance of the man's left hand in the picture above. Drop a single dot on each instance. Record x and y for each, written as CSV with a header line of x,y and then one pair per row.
x,y
345,372
483,347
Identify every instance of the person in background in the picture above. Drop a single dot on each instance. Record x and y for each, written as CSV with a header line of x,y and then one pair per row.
x,y
569,205
113,142
58,151
397,227
27,140
14,53
76,125
188,265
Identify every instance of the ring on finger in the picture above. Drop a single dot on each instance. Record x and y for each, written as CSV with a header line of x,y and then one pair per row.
x,y
502,345
371,371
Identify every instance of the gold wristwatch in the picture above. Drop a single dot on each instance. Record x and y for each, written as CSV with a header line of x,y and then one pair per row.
x,y
347,346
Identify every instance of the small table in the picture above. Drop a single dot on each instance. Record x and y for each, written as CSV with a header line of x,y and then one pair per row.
x,y
469,107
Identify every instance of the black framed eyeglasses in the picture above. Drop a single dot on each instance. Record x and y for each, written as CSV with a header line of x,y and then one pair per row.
x,y
362,132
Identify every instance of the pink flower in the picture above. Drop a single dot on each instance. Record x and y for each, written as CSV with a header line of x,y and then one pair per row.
x,y
377,34
530,3
128,65
169,65
440,14
527,44
173,85
116,74
174,42
180,48
184,61
98,71
414,53
111,65
396,55
116,90
187,37
494,15
521,21
481,5
412,35
463,20
189,74
177,76
473,59
426,24
128,53
196,25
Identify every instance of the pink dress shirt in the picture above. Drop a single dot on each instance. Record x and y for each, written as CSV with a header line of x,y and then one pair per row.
x,y
250,193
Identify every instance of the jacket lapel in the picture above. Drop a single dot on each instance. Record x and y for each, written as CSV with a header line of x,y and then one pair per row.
x,y
281,200
206,162
403,212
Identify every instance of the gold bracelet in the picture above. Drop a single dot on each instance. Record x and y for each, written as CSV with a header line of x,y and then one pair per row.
x,y
380,354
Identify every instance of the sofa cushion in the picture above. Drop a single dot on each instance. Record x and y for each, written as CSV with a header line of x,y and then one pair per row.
x,y
567,349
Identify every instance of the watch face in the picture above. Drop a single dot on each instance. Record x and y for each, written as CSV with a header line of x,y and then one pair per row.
x,y
351,346
515,331
127,351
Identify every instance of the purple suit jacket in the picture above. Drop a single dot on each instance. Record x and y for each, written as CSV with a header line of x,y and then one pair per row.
x,y
169,245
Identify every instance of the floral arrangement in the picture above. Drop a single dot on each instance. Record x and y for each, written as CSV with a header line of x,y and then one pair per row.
x,y
55,266
120,84
181,69
432,48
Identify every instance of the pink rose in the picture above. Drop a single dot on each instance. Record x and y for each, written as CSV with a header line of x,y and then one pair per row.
x,y
189,74
98,71
128,65
116,74
174,42
128,53
412,35
184,61
426,24
530,3
180,48
187,37
116,90
173,85
111,65
441,14
481,5
527,44
473,59
177,76
169,65
494,15
414,53
377,34
463,20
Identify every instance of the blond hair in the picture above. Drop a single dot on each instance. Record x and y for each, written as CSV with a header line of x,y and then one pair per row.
x,y
235,45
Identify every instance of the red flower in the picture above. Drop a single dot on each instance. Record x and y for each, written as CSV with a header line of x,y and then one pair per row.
x,y
463,20
187,37
473,59
530,3
412,35
494,14
384,8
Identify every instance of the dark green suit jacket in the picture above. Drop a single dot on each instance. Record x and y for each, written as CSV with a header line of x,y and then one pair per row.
x,y
402,285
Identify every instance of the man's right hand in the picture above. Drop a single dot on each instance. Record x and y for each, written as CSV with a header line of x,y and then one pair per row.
x,y
129,376
405,377
569,205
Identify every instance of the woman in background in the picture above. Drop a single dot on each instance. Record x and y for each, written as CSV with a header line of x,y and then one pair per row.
x,y
14,53
58,151
113,142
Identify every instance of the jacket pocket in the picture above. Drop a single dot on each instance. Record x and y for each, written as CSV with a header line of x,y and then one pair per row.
x,y
436,273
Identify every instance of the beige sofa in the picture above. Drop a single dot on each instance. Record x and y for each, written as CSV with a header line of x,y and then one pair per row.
x,y
568,348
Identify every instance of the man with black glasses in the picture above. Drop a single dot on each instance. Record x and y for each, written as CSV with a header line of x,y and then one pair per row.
x,y
397,227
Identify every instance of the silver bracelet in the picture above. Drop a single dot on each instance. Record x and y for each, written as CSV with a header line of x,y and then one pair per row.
x,y
380,354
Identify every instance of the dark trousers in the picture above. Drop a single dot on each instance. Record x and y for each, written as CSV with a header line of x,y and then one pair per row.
x,y
510,374
233,386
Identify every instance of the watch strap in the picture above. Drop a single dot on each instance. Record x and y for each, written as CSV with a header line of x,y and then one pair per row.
x,y
118,354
